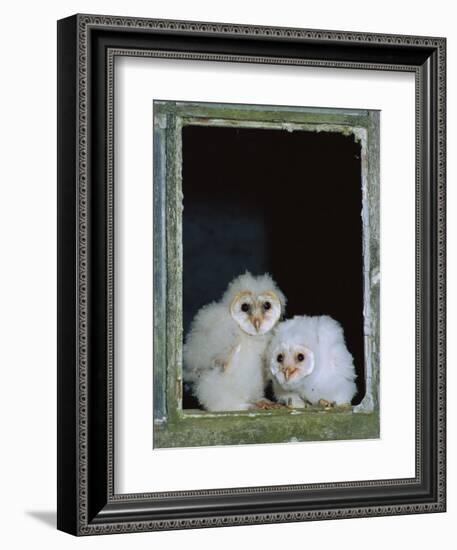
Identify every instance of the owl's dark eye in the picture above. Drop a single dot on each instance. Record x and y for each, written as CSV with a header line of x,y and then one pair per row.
x,y
266,305
245,307
300,357
280,358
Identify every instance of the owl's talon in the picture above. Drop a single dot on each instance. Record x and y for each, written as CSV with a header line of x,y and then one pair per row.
x,y
263,404
326,404
266,404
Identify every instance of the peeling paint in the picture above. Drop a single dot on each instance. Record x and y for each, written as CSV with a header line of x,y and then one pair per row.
x,y
375,277
160,121
160,421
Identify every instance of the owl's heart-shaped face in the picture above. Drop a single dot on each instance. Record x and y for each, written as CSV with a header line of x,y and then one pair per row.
x,y
256,314
290,364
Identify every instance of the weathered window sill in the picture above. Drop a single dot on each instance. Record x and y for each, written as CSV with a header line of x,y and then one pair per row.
x,y
199,428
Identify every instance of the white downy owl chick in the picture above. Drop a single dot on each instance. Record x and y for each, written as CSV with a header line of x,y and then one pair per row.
x,y
224,352
309,362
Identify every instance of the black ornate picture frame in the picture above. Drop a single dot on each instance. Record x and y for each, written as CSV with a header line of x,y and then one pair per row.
x,y
87,501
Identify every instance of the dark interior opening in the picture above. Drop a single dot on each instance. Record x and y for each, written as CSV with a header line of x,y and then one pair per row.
x,y
286,203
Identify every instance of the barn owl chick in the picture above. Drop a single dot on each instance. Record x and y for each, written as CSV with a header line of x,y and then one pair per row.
x,y
224,352
309,362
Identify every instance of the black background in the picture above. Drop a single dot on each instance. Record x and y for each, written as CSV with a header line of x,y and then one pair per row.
x,y
286,203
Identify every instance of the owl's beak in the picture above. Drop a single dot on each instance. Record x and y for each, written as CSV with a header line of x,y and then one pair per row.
x,y
289,371
256,322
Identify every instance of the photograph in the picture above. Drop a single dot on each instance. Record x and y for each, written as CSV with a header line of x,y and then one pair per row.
x,y
278,231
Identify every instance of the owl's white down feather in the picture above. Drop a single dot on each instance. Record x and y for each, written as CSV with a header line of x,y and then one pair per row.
x,y
213,337
332,378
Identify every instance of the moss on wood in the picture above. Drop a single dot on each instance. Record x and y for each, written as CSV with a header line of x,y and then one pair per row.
x,y
266,427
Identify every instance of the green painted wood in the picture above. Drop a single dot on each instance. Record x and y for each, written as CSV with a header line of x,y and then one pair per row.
x,y
259,113
174,267
159,274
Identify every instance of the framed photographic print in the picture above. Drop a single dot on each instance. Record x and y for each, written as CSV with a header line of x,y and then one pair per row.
x,y
251,274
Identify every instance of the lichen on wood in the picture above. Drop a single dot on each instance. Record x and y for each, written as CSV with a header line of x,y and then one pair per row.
x,y
266,427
